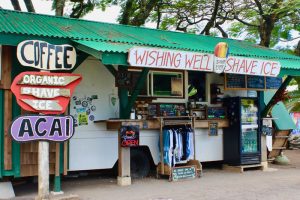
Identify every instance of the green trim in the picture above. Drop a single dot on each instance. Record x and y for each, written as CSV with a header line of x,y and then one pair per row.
x,y
15,39
115,59
290,72
57,184
111,69
1,133
8,173
123,99
137,88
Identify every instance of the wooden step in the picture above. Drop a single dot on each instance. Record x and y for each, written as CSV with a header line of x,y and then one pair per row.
x,y
242,168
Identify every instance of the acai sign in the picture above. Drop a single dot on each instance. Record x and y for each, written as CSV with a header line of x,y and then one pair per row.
x,y
42,127
45,56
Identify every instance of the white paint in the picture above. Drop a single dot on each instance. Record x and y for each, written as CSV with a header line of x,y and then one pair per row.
x,y
6,190
43,170
50,105
50,80
45,92
44,56
208,148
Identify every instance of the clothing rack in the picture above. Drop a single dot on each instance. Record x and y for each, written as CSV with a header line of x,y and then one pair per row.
x,y
162,168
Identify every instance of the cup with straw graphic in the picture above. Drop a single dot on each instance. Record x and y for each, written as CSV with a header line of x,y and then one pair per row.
x,y
221,54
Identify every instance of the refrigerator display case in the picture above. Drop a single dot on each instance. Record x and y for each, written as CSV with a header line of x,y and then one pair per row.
x,y
242,137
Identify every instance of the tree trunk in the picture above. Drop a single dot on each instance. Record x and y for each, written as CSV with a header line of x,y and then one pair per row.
x,y
212,20
265,31
29,6
59,7
144,13
15,4
127,12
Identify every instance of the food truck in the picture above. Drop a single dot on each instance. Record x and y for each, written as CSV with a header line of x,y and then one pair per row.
x,y
169,91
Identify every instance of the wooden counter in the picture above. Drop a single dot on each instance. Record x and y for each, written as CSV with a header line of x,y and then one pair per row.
x,y
154,124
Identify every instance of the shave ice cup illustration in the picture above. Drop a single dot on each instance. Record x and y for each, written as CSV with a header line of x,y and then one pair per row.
x,y
221,54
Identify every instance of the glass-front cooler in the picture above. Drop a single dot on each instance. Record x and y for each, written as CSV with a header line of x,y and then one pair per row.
x,y
242,137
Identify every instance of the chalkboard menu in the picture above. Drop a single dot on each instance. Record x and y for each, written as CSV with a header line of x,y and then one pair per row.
x,y
256,82
273,82
186,172
172,109
235,81
216,113
213,128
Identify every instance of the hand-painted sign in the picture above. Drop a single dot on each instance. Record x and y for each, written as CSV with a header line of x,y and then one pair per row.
x,y
168,59
45,56
42,127
221,54
129,136
183,60
44,92
256,67
185,172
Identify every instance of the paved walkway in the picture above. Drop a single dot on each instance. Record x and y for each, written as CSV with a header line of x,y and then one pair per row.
x,y
283,184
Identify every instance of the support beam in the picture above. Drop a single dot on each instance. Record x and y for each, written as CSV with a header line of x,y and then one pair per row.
x,y
283,86
137,88
123,98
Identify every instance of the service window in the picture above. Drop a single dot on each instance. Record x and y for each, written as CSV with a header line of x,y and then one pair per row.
x,y
196,87
167,84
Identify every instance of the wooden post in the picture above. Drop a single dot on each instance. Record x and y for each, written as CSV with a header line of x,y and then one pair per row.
x,y
43,171
57,183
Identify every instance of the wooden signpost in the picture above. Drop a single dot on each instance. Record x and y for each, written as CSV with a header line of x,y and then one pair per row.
x,y
45,93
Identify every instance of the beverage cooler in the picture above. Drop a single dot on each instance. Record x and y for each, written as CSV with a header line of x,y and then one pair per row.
x,y
242,137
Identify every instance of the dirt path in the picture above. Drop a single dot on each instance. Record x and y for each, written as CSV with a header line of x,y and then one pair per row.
x,y
283,184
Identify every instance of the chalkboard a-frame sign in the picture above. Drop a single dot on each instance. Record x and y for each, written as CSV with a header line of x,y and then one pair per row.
x,y
183,173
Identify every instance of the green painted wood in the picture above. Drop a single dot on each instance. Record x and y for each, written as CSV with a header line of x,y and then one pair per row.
x,y
123,98
290,72
57,184
88,50
137,88
1,133
114,59
283,120
111,69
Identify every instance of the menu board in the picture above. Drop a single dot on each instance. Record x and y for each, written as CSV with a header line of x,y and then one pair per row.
x,y
235,81
172,109
273,82
256,82
213,128
216,113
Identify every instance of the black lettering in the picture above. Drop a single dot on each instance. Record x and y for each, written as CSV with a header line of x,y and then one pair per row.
x,y
50,47
26,128
42,45
37,124
66,64
22,52
56,127
57,50
36,53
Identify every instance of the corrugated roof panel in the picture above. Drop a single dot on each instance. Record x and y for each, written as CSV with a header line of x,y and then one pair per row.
x,y
105,46
62,27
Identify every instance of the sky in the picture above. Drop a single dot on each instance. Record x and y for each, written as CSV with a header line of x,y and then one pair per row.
x,y
44,7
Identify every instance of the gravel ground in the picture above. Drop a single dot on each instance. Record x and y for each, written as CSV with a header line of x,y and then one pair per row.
x,y
281,184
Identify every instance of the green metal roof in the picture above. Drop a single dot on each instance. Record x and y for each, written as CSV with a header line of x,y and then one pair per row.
x,y
283,120
119,38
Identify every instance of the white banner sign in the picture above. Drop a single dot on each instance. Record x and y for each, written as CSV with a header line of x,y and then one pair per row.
x,y
45,56
168,59
43,104
182,60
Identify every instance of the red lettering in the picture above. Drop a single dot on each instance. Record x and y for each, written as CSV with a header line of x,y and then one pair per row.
x,y
140,58
265,65
153,58
274,68
254,65
177,60
189,60
228,65
129,143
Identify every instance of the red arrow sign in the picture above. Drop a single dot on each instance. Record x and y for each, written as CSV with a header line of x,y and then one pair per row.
x,y
44,92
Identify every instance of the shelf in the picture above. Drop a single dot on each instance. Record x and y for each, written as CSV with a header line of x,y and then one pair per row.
x,y
222,123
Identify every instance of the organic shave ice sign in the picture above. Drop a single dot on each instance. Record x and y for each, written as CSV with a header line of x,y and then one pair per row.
x,y
45,56
42,127
218,62
44,92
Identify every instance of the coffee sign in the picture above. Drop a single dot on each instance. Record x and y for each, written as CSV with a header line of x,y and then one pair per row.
x,y
42,127
44,92
44,56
